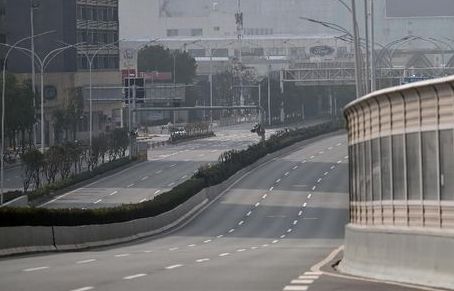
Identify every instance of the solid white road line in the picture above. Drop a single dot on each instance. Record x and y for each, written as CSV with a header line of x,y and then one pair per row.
x,y
113,193
97,201
224,254
295,288
174,267
84,288
86,261
134,276
302,281
35,269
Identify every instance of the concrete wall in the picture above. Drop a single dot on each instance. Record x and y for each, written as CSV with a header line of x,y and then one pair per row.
x,y
400,254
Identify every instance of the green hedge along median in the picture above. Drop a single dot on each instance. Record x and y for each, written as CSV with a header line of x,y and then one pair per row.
x,y
229,163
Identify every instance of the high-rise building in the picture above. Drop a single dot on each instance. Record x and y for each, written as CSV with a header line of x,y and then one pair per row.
x,y
90,30
92,24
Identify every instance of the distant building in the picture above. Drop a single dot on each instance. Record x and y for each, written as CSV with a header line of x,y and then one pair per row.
x,y
91,24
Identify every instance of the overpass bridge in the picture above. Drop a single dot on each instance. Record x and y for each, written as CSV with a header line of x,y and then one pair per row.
x,y
345,75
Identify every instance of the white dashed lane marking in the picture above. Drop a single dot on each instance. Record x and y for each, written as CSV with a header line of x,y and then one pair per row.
x,y
144,178
224,254
122,255
113,193
86,261
202,260
130,185
84,288
157,192
278,180
97,201
134,276
295,288
174,267
36,269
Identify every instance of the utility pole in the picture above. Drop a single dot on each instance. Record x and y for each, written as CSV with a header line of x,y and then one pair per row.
x,y
373,83
358,69
239,31
367,63
269,95
34,4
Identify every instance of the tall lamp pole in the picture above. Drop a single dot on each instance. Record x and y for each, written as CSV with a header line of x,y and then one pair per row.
x,y
10,49
34,4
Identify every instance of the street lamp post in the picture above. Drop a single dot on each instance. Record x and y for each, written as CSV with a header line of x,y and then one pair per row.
x,y
10,49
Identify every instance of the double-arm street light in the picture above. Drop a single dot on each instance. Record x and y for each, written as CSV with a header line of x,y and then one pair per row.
x,y
10,49
90,60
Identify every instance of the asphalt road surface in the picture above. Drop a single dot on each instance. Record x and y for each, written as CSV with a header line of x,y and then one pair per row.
x,y
166,167
263,234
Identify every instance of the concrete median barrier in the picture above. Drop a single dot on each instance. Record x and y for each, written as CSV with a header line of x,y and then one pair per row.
x,y
399,254
26,239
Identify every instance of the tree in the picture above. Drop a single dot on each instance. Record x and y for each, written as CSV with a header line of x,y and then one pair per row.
x,y
67,119
158,58
32,161
19,110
